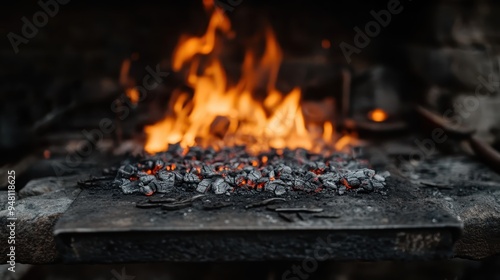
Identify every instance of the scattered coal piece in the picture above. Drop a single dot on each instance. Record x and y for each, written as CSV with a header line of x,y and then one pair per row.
x,y
176,206
265,202
162,200
147,205
296,210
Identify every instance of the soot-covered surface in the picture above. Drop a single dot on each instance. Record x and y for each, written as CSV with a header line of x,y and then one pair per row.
x,y
105,225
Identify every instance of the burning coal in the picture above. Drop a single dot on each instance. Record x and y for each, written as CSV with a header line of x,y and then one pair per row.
x,y
234,170
220,138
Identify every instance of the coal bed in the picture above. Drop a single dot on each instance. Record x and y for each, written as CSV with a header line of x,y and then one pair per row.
x,y
234,170
280,204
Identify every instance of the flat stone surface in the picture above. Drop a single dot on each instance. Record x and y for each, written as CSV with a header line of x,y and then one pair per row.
x,y
470,191
475,201
480,214
43,203
103,225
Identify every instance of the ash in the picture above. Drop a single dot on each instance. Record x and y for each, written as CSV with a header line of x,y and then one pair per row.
x,y
233,170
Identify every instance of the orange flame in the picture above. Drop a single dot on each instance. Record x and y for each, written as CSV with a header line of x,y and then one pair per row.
x,y
222,115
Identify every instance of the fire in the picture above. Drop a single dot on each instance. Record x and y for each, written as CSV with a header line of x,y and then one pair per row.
x,y
131,92
377,115
221,113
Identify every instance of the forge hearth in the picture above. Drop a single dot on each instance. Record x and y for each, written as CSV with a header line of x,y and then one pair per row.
x,y
104,225
187,132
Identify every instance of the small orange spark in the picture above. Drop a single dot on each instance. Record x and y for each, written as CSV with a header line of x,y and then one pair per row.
x,y
377,115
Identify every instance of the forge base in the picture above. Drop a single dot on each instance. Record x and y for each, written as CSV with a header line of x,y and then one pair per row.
x,y
103,225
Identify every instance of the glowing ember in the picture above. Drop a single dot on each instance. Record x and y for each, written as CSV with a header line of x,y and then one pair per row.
x,y
46,154
131,92
223,114
377,115
326,44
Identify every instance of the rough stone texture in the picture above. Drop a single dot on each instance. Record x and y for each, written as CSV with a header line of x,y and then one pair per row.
x,y
37,215
469,190
46,185
481,216
43,203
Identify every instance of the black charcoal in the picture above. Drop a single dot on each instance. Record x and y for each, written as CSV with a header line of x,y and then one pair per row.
x,y
280,190
379,178
353,182
204,170
378,185
204,185
342,190
208,172
120,181
166,182
130,187
368,172
385,174
191,178
219,186
147,190
127,171
146,179
330,184
254,175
